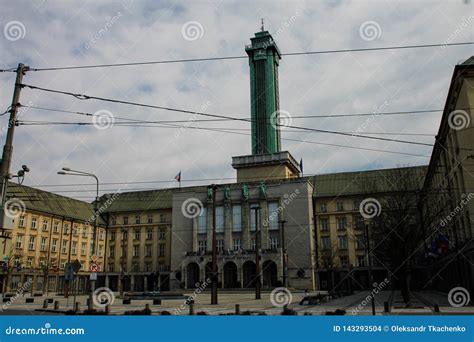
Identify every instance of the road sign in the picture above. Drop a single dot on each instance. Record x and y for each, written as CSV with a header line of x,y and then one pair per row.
x,y
69,271
93,267
76,265
94,258
55,268
93,276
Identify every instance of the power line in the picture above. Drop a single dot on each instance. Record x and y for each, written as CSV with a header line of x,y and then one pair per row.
x,y
88,97
242,57
218,120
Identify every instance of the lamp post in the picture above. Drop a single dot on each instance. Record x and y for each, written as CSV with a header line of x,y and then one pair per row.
x,y
369,260
258,284
215,276
284,253
66,171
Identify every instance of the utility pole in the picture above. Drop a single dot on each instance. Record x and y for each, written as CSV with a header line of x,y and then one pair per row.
x,y
284,254
8,147
369,260
214,248
257,254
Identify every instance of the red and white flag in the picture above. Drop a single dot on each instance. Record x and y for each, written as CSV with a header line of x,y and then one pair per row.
x,y
178,177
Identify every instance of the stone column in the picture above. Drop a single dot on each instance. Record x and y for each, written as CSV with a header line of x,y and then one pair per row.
x,y
210,223
245,226
145,283
107,280
195,234
132,282
264,237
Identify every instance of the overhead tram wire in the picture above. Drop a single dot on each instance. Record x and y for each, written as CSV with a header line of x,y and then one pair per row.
x,y
88,97
322,52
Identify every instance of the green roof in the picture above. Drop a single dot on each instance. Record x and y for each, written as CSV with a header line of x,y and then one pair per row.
x,y
363,182
137,200
50,203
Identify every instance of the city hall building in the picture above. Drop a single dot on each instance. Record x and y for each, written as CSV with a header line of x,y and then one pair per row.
x,y
309,232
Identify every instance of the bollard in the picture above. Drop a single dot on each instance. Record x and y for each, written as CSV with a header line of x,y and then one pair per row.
x,y
386,307
107,309
436,308
45,304
237,309
191,309
56,304
77,307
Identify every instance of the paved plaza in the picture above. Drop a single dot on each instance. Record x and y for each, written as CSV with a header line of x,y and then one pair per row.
x,y
353,304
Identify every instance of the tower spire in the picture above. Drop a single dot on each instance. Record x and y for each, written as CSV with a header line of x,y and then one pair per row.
x,y
262,28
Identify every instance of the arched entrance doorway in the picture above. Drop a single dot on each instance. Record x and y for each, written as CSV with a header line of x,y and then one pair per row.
x,y
230,275
192,275
249,273
270,274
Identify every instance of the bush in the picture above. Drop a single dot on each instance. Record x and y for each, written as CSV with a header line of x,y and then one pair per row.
x,y
202,313
338,312
165,313
144,312
289,312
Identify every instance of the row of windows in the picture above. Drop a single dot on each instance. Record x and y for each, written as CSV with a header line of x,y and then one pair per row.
x,y
236,244
138,219
323,207
76,230
236,218
342,242
136,251
341,223
54,245
137,234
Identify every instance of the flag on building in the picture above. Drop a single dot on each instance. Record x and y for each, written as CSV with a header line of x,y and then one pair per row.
x,y
178,178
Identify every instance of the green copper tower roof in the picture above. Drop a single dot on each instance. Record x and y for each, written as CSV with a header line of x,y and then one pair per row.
x,y
264,57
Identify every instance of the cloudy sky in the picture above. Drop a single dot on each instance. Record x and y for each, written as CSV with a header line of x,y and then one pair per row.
x,y
44,33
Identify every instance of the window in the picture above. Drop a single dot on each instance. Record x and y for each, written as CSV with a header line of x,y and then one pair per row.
x,y
219,219
202,221
29,262
136,251
137,219
360,241
136,234
358,222
74,248
84,232
66,229
148,250
323,208
111,267
361,260
19,241
54,245
45,225
356,205
33,222
273,215
253,244
112,235
339,206
31,243
202,246
162,234
273,243
252,219
324,224
236,218
123,252
149,234
344,261
112,251
83,248
64,247
342,241
74,230
162,218
325,242
125,220
220,245
56,227
237,244
113,220
148,267
341,222
161,250
102,234
21,221
150,219
124,235
43,244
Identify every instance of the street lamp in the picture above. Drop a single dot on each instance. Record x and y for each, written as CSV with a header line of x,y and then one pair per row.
x,y
284,253
66,171
258,284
